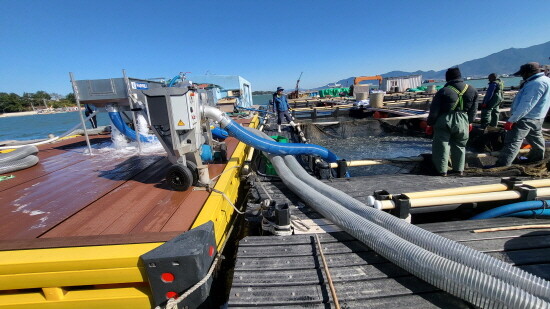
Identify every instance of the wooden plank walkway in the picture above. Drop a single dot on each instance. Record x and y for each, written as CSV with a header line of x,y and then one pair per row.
x,y
276,272
287,272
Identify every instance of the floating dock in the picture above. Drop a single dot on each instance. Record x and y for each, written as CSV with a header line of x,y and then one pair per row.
x,y
73,227
287,271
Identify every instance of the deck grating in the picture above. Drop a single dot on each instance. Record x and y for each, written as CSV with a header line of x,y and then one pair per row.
x,y
286,272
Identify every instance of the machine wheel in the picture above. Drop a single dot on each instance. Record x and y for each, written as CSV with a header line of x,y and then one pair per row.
x,y
194,171
179,177
223,153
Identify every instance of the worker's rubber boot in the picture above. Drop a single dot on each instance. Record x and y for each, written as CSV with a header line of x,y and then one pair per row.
x,y
279,128
292,123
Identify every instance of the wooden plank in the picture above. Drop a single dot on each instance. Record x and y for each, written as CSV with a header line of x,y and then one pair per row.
x,y
293,239
131,197
523,257
45,166
316,275
430,300
468,225
353,246
79,241
509,244
305,262
58,195
465,235
310,294
52,157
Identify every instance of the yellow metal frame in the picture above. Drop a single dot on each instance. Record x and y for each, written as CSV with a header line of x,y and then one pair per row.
x,y
108,276
216,208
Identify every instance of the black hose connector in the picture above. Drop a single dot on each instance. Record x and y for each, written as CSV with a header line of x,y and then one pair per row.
x,y
342,168
402,206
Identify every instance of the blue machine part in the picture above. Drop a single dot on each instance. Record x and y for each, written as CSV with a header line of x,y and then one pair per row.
x,y
117,121
206,153
219,133
513,209
273,147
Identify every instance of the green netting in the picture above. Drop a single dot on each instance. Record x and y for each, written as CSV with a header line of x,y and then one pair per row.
x,y
334,92
423,88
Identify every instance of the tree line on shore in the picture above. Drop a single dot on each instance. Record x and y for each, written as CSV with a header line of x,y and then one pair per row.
x,y
12,102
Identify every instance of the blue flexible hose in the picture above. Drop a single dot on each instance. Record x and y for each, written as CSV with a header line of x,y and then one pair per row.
x,y
275,148
173,80
511,209
219,133
531,213
117,121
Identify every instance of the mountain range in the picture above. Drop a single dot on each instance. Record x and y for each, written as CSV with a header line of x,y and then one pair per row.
x,y
506,61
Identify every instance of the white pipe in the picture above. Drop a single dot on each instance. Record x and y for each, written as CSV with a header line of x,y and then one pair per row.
x,y
216,115
460,199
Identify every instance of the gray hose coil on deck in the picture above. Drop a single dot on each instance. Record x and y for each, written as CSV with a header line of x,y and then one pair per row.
x,y
12,166
440,245
18,154
460,280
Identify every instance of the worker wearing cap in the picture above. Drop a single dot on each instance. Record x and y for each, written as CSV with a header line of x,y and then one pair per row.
x,y
452,111
527,115
281,107
491,102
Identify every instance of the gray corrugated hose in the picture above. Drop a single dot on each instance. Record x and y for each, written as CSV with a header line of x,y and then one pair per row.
x,y
440,245
12,166
460,280
17,154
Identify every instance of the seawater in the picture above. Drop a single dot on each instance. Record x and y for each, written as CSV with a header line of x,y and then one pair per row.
x,y
378,147
39,126
262,99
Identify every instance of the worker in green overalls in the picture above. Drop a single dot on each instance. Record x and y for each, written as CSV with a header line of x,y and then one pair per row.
x,y
452,112
491,102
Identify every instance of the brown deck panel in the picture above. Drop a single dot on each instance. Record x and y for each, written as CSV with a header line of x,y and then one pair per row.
x,y
98,216
191,205
79,241
52,157
58,195
137,208
183,216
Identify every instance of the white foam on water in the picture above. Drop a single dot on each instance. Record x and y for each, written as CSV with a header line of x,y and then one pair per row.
x,y
142,126
120,146
119,140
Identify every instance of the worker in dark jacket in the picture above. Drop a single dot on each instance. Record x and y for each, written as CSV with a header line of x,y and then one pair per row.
x,y
281,107
491,102
452,112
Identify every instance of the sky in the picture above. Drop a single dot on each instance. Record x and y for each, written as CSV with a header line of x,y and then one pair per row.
x,y
267,42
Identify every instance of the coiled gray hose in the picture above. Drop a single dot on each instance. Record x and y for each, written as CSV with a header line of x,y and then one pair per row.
x,y
17,154
12,166
437,244
460,280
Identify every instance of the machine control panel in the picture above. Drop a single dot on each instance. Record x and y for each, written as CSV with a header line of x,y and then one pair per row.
x,y
184,112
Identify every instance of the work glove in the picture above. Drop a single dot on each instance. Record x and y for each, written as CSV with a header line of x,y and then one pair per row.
x,y
470,127
508,126
429,130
